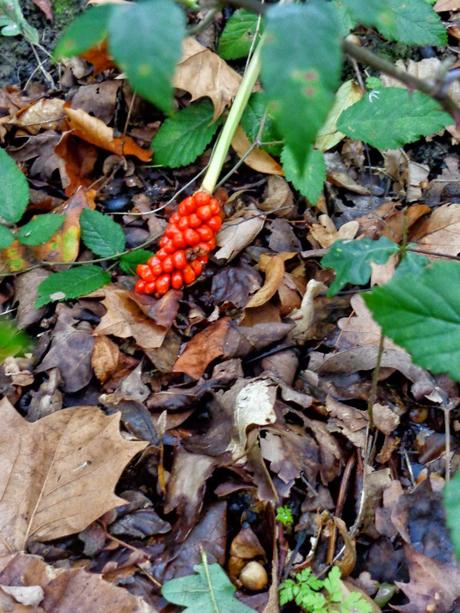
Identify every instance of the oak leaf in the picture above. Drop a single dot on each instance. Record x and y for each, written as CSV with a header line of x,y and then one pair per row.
x,y
94,131
57,475
201,72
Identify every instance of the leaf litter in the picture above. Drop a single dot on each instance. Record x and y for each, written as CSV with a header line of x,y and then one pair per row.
x,y
139,434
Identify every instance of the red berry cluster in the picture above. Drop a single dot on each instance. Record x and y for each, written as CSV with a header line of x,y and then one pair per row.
x,y
184,248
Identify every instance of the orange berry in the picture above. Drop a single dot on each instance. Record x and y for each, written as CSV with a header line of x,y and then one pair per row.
x,y
204,212
183,223
144,272
201,198
188,274
179,259
192,237
179,241
194,221
203,259
215,206
189,205
150,287
161,254
176,280
215,223
205,232
175,217
163,241
211,244
168,264
162,284
197,267
169,246
203,247
172,230
140,286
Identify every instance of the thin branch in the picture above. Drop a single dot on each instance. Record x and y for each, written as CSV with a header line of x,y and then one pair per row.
x,y
434,90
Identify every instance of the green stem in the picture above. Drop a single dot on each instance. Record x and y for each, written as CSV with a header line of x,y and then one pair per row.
x,y
233,119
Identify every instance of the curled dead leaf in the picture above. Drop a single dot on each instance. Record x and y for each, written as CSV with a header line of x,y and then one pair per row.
x,y
273,267
257,159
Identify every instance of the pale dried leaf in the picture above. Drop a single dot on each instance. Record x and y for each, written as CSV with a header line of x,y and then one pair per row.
x,y
384,418
273,267
304,316
201,72
238,233
68,463
256,158
447,5
440,232
104,360
45,114
347,94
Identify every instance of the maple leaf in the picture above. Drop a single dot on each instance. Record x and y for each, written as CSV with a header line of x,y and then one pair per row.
x,y
57,475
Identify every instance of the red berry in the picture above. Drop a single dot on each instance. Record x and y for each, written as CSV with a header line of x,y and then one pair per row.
x,y
175,217
197,267
194,221
187,206
211,244
169,246
192,237
201,198
215,206
205,232
215,223
179,241
150,287
203,259
188,274
203,247
205,212
183,223
162,284
172,230
161,254
144,272
176,280
179,259
154,261
163,240
140,286
168,265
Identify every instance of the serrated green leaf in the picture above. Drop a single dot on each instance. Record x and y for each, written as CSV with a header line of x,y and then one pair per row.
x,y
40,229
197,595
14,193
345,20
351,260
129,261
391,117
452,507
101,234
70,284
301,63
413,22
185,135
86,30
6,237
12,341
146,41
420,313
254,112
412,263
309,182
238,35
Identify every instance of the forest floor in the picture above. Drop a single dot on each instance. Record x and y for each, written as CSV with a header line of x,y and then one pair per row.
x,y
250,388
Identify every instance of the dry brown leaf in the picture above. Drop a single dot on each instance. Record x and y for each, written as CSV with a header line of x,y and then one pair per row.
x,y
447,5
238,233
201,72
325,232
45,114
273,267
204,347
391,221
68,464
278,197
77,159
26,286
384,418
258,159
303,317
105,358
440,232
124,318
29,581
94,131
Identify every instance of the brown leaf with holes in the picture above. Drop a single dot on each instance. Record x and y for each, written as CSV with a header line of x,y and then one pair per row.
x,y
27,583
124,319
68,464
258,159
204,347
273,267
201,72
94,131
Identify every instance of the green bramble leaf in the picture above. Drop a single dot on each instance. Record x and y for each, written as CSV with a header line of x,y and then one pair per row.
x,y
101,234
40,229
413,22
70,284
185,135
145,40
129,261
86,30
452,507
255,112
6,237
420,313
310,182
238,35
351,260
12,341
391,117
198,594
14,193
301,64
